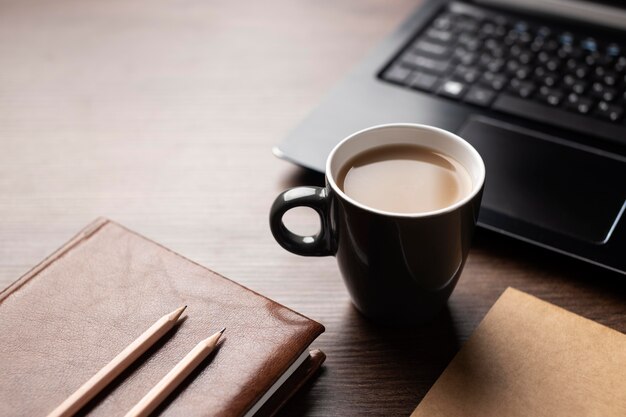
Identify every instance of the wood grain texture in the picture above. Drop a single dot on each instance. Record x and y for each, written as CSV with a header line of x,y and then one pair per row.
x,y
161,115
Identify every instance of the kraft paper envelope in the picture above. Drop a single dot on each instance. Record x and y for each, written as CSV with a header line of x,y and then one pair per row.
x,y
530,358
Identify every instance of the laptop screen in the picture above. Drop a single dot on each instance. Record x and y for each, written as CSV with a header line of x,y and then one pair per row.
x,y
603,12
613,3
620,4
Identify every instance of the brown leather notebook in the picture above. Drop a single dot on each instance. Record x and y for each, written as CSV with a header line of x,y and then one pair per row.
x,y
70,315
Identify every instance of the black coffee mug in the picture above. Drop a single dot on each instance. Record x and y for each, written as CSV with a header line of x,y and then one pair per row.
x,y
398,268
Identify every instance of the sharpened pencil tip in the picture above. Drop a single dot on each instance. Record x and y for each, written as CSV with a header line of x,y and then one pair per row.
x,y
213,339
174,315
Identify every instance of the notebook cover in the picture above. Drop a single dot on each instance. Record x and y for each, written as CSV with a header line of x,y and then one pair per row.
x,y
304,372
71,314
530,358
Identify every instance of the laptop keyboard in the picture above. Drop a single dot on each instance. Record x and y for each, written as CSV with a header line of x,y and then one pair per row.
x,y
518,67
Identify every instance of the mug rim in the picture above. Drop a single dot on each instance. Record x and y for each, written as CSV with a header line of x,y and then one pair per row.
x,y
466,145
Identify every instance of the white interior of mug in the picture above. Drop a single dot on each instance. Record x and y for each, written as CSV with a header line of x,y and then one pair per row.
x,y
407,134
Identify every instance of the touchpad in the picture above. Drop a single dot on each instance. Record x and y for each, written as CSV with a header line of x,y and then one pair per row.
x,y
547,181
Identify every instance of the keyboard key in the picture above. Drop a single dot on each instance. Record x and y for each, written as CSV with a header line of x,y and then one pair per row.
x,y
490,44
584,106
441,36
500,30
549,79
524,38
463,10
569,80
566,38
537,45
597,89
495,81
501,20
520,26
554,99
424,63
480,96
540,72
544,32
522,88
550,96
525,58
543,57
397,74
469,41
423,81
465,57
589,44
511,66
515,51
609,94
498,52
610,78
452,89
575,83
579,87
602,92
553,64
469,25
433,49
443,22
551,45
488,29
609,112
495,65
613,50
510,39
592,59
533,110
568,51
599,72
522,72
573,66
579,104
466,74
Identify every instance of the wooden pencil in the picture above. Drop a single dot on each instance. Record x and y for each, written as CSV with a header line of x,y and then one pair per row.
x,y
123,360
169,382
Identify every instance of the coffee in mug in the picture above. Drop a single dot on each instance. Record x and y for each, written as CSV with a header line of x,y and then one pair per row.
x,y
404,179
398,211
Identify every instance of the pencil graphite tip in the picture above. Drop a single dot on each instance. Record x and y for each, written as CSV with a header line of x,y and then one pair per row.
x,y
174,315
217,335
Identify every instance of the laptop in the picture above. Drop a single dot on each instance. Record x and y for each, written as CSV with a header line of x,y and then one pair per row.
x,y
538,87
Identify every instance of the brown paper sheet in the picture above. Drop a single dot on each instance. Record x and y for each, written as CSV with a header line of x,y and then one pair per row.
x,y
530,358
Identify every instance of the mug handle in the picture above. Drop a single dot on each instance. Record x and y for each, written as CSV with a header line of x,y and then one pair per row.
x,y
313,197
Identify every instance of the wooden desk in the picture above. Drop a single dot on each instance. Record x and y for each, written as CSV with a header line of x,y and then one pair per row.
x,y
161,115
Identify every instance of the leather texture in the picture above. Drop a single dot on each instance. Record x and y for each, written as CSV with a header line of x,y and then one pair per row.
x,y
71,314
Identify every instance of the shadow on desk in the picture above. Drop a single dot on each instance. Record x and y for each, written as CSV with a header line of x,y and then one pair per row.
x,y
539,262
297,177
398,362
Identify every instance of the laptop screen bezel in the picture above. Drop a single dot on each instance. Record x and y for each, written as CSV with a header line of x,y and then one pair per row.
x,y
609,13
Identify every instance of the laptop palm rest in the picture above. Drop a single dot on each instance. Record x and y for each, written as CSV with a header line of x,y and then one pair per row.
x,y
549,182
